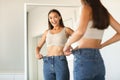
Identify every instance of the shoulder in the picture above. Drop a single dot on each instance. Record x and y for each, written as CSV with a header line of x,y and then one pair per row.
x,y
68,30
45,32
86,13
44,35
86,9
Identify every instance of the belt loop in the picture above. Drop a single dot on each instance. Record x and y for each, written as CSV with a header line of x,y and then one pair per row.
x,y
80,51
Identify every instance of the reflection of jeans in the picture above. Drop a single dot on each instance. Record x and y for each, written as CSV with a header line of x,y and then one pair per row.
x,y
88,64
55,68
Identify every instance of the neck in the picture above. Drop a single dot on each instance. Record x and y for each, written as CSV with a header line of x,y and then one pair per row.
x,y
56,28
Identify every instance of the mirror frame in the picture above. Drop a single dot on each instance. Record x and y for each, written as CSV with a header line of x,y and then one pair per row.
x,y
26,65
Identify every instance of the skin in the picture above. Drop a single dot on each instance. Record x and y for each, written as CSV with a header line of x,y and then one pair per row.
x,y
54,19
85,17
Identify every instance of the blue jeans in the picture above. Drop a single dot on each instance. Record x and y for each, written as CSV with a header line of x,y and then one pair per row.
x,y
55,68
88,64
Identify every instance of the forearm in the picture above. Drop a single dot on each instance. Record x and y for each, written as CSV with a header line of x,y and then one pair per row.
x,y
37,50
74,37
112,40
38,55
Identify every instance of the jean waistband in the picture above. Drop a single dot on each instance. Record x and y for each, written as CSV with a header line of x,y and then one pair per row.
x,y
50,57
84,49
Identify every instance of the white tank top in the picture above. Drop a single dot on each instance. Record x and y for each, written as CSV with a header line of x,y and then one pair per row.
x,y
58,39
93,33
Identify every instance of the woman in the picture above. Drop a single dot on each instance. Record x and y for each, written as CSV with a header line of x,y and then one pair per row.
x,y
55,63
94,19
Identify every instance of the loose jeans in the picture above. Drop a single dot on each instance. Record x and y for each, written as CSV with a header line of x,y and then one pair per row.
x,y
88,64
55,68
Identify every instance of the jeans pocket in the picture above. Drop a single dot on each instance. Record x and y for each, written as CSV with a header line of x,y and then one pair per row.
x,y
63,60
45,60
78,63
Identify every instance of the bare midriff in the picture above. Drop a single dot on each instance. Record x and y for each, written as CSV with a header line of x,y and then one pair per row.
x,y
89,43
55,51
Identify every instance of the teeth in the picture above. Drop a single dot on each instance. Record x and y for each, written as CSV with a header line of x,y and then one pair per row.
x,y
54,23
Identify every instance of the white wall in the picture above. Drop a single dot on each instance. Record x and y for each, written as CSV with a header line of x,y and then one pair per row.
x,y
12,76
71,2
111,54
11,37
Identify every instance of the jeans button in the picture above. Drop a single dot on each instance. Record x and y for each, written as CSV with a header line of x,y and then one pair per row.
x,y
52,65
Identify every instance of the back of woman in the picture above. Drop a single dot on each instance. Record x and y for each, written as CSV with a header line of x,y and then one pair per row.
x,y
98,21
55,65
94,19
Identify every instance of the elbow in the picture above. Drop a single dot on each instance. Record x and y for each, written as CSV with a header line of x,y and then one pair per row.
x,y
118,36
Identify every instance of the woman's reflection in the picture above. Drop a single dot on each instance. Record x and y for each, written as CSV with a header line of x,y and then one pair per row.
x,y
55,63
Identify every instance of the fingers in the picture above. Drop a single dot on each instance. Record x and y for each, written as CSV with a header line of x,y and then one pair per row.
x,y
39,56
67,50
67,53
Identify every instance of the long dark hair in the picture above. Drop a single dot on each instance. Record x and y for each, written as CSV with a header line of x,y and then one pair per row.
x,y
100,14
61,20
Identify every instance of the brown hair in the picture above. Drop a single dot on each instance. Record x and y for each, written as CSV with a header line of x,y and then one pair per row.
x,y
100,14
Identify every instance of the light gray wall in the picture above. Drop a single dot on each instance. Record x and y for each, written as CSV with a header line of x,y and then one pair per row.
x,y
111,54
71,2
11,36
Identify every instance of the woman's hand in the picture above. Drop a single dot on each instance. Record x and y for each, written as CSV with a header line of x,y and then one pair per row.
x,y
39,56
67,50
101,46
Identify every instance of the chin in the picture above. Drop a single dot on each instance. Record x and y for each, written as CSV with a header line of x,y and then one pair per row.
x,y
54,25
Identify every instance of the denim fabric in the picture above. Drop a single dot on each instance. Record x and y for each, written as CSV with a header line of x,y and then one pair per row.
x,y
55,68
88,64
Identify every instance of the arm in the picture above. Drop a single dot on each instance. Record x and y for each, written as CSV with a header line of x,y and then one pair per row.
x,y
84,19
116,26
40,44
68,31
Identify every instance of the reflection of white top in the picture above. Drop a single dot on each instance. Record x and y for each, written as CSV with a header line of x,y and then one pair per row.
x,y
93,33
58,39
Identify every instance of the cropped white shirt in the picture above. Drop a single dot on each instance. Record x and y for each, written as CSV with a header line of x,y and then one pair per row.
x,y
58,39
93,33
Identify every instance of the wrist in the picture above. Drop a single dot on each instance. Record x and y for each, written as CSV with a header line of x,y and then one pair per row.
x,y
67,44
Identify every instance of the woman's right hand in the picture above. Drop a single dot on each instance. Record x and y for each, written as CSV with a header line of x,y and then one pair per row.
x,y
39,56
67,50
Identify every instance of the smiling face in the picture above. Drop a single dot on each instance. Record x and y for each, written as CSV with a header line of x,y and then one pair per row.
x,y
54,19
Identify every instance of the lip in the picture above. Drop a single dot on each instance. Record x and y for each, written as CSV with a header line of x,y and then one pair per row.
x,y
53,23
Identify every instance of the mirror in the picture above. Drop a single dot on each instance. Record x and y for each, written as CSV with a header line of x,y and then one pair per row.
x,y
36,16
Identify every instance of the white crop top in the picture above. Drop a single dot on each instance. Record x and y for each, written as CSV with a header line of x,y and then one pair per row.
x,y
58,39
93,33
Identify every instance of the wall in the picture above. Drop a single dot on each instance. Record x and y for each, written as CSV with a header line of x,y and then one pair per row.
x,y
67,2
111,53
11,37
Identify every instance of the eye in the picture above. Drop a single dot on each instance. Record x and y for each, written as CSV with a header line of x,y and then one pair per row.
x,y
55,16
50,18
